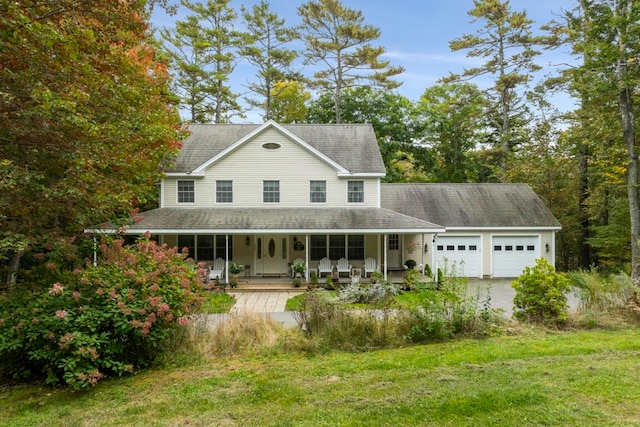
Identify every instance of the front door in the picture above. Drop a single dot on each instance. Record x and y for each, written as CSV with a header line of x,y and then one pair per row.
x,y
394,254
271,255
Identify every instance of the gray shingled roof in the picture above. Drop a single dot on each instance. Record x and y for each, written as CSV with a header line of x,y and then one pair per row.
x,y
271,220
469,205
353,146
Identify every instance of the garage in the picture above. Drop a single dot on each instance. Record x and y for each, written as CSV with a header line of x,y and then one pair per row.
x,y
511,254
464,251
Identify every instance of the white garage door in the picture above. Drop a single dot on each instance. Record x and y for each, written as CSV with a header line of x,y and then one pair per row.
x,y
464,251
511,254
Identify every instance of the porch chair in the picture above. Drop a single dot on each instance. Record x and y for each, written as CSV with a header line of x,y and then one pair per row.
x,y
324,267
296,261
344,266
370,266
216,269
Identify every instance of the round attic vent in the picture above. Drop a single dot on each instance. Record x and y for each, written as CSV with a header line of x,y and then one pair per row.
x,y
271,146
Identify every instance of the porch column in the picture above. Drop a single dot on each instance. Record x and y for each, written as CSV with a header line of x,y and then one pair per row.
x,y
226,263
306,256
434,257
384,250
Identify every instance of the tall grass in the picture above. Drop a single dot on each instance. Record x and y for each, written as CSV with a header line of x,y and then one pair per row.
x,y
602,293
604,299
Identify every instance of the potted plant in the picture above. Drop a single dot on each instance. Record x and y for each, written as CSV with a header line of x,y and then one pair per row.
x,y
235,269
299,268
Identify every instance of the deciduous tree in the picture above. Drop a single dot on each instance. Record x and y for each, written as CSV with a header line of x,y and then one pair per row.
x,y
86,120
289,102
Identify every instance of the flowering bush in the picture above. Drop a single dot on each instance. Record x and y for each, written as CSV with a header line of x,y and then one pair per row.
x,y
112,320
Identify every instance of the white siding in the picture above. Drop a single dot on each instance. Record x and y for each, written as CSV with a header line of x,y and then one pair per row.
x,y
291,164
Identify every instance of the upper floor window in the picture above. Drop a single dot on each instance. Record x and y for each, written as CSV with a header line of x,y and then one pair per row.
x,y
355,192
186,192
318,191
224,191
271,191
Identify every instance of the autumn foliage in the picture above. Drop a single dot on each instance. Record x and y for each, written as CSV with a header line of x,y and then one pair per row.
x,y
86,119
111,320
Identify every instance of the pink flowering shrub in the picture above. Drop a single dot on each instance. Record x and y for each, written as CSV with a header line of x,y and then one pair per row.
x,y
112,320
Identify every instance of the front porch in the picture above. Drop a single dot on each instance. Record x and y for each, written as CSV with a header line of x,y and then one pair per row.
x,y
285,282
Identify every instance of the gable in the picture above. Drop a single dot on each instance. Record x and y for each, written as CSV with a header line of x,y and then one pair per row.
x,y
350,149
470,205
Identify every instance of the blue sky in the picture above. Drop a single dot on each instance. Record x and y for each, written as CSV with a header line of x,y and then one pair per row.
x,y
416,35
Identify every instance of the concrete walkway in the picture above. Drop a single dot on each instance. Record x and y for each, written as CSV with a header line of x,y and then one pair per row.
x,y
261,301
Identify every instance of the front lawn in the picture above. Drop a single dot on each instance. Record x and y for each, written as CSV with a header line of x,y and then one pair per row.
x,y
217,302
540,378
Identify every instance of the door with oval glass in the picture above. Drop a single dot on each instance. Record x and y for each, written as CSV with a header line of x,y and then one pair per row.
x,y
271,255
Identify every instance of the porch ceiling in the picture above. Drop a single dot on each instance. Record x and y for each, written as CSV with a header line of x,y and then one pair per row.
x,y
272,221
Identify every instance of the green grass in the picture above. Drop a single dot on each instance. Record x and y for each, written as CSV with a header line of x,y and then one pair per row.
x,y
540,378
216,302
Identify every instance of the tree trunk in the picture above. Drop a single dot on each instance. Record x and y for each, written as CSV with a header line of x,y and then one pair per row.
x,y
626,111
585,247
632,178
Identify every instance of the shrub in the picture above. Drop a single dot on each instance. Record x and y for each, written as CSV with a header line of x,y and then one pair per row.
x,y
112,320
411,279
410,264
377,277
540,295
449,310
368,293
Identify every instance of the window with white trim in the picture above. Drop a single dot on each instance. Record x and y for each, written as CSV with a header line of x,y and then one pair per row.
x,y
271,191
186,191
355,191
318,191
394,242
224,191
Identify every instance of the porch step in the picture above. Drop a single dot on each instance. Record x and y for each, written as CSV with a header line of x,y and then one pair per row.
x,y
265,287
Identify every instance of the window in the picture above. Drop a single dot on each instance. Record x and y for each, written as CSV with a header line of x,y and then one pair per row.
x,y
189,242
394,242
356,247
186,192
224,191
337,247
461,247
221,248
497,248
508,247
519,248
355,192
271,191
205,247
450,247
318,247
318,191
473,247
530,247
440,247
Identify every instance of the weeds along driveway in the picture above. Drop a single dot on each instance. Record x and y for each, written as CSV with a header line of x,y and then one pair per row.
x,y
500,292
